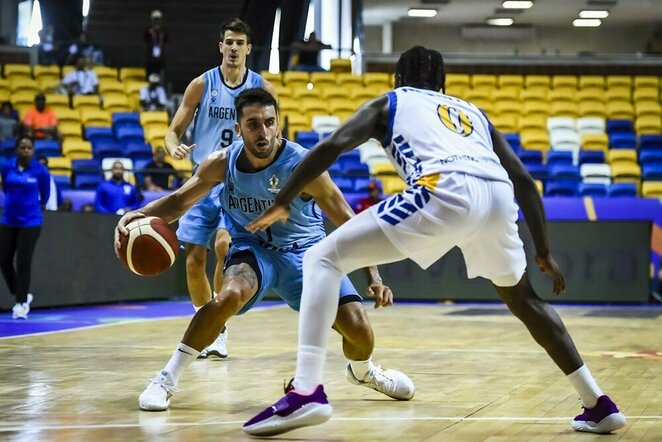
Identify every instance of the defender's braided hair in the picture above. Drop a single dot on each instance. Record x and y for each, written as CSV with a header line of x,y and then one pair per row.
x,y
421,68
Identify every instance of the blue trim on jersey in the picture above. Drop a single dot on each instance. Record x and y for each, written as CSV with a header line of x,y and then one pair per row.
x,y
489,123
392,106
396,209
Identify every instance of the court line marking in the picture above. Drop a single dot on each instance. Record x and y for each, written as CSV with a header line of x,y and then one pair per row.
x,y
562,419
128,321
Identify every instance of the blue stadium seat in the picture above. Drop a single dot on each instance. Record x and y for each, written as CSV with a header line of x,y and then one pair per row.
x,y
307,138
87,181
86,173
354,167
361,185
93,134
592,189
651,172
335,169
149,196
354,153
538,171
565,176
79,198
63,182
623,140
106,149
591,156
650,156
8,147
514,140
616,190
47,148
614,126
2,199
126,135
650,142
555,157
128,118
561,188
344,184
530,156
138,165
138,151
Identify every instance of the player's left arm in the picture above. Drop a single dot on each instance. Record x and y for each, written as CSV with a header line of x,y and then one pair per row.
x,y
331,200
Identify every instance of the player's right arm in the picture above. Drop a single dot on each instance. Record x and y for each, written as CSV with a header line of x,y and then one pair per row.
x,y
183,118
170,207
530,202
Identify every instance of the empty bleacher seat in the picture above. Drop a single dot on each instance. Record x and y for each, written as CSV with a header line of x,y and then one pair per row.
x,y
93,134
530,156
514,140
592,189
323,124
343,183
617,190
650,156
650,141
626,172
622,156
75,148
307,139
591,156
623,141
595,173
86,173
651,189
79,198
595,141
616,125
538,171
651,172
590,125
48,148
104,148
130,134
561,188
555,157
137,151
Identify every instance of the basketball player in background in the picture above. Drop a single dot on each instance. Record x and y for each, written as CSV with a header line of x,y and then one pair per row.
x,y
210,98
462,178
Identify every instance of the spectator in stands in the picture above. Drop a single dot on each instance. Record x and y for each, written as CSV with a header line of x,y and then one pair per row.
x,y
66,206
116,195
374,197
157,173
83,49
9,125
87,208
25,183
81,81
156,37
55,195
47,48
308,54
40,121
152,96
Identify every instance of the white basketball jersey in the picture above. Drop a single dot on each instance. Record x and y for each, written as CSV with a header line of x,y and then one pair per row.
x,y
430,133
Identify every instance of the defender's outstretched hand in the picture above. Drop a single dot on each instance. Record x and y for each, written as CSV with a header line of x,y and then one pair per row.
x,y
274,213
549,267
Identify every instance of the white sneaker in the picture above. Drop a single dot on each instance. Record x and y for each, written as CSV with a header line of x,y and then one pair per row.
x,y
20,310
218,348
392,383
157,394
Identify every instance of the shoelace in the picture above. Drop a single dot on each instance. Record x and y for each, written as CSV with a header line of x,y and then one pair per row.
x,y
170,389
376,376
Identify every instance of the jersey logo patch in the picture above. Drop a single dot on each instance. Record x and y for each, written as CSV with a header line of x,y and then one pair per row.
x,y
273,184
455,120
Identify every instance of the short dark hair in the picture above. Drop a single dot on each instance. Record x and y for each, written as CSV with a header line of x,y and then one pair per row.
x,y
421,68
239,26
40,96
253,96
21,138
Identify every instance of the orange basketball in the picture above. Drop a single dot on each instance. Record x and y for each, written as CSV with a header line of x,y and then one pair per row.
x,y
150,247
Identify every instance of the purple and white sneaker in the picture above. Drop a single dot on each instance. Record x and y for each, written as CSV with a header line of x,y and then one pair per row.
x,y
292,411
603,418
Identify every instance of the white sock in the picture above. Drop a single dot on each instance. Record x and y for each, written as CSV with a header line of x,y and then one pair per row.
x,y
310,364
586,386
361,368
180,360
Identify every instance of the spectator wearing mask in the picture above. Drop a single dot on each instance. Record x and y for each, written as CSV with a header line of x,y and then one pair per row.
x,y
157,173
116,195
374,197
81,81
40,121
152,96
156,38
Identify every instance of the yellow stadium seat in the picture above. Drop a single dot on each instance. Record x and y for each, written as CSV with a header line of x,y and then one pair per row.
x,y
49,85
647,108
533,123
302,92
511,108
379,79
564,81
323,79
288,105
22,84
133,86
116,103
67,115
13,71
619,93
595,141
272,78
361,94
537,81
563,94
341,105
95,117
86,101
622,156
645,81
534,94
592,109
4,95
296,122
594,95
4,85
108,73
540,187
43,71
648,125
626,172
564,109
341,65
651,189
510,81
134,74
60,166
535,140
70,129
67,69
456,91
343,115
345,79
153,117
479,93
155,135
483,81
296,79
620,110
58,101
382,168
645,94
507,93
22,99
505,123
283,91
313,106
624,81
484,104
110,85
335,92
184,167
392,184
592,82
457,80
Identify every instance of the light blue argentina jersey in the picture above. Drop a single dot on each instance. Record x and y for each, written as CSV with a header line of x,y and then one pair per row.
x,y
214,120
247,194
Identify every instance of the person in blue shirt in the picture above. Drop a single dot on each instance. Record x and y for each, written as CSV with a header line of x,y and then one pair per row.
x,y
253,170
116,195
26,184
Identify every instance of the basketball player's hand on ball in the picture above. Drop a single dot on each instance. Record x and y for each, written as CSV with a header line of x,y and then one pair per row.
x,y
274,213
121,227
182,151
382,294
549,267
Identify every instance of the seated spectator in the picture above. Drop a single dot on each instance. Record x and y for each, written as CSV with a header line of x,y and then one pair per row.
x,y
81,81
40,121
55,197
8,123
157,173
116,195
82,49
87,208
374,197
152,96
66,206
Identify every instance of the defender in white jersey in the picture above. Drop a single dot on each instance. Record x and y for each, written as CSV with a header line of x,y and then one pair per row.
x,y
210,98
463,180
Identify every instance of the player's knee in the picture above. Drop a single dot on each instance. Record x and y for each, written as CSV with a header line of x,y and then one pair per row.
x,y
230,300
196,257
355,323
319,255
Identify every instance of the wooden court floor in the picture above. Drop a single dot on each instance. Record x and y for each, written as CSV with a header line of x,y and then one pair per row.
x,y
479,377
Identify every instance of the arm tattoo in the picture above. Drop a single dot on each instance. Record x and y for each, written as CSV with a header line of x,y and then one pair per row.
x,y
242,271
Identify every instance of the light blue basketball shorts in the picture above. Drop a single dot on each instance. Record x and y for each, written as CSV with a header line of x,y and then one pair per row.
x,y
198,225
